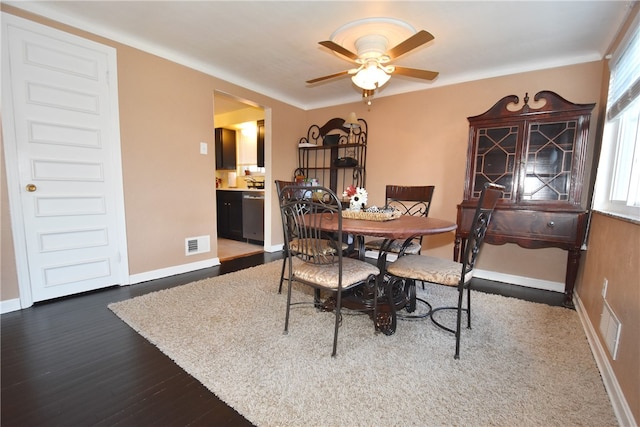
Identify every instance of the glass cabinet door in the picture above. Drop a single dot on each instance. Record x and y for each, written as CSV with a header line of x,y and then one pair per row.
x,y
495,159
548,161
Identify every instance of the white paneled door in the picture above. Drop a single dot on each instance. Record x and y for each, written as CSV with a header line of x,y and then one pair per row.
x,y
62,151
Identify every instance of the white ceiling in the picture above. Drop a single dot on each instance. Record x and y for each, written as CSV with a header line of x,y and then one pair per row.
x,y
272,46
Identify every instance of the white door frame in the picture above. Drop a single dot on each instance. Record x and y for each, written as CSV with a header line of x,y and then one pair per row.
x,y
11,155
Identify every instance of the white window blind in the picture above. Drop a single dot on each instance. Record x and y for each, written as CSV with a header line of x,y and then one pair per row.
x,y
624,83
617,188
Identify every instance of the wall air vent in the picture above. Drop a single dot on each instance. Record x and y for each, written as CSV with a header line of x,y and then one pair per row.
x,y
610,329
197,245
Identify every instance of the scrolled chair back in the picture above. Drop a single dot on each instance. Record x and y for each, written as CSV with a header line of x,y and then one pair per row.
x,y
304,209
486,205
410,200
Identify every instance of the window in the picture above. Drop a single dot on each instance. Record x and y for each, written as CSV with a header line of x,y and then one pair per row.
x,y
618,181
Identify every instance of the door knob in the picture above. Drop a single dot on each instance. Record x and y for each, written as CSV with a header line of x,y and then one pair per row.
x,y
31,188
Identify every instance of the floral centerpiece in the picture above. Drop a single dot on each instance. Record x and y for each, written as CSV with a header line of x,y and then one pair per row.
x,y
357,197
358,207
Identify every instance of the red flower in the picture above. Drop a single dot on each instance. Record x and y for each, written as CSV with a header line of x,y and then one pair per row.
x,y
350,191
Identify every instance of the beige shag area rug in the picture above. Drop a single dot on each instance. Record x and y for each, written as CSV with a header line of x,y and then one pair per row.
x,y
522,364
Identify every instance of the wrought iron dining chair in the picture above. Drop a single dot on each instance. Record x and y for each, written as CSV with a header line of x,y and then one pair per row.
x,y
279,186
411,268
410,200
304,212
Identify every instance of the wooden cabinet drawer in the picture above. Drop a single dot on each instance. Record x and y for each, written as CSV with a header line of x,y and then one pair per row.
x,y
529,228
535,225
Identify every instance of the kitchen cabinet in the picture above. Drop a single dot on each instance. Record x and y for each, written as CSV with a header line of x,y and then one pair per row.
x,y
260,145
334,155
229,211
539,156
225,148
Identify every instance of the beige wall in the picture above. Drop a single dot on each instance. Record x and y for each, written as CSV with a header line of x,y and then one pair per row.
x,y
422,138
614,253
163,117
166,110
8,274
424,135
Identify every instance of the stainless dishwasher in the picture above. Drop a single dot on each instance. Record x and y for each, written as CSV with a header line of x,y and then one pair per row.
x,y
253,216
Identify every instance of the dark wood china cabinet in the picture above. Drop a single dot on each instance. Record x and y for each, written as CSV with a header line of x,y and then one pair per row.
x,y
539,156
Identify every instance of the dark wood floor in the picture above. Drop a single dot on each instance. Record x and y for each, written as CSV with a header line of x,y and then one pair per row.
x,y
72,362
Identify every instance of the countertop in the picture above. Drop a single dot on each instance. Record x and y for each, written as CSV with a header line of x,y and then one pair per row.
x,y
250,190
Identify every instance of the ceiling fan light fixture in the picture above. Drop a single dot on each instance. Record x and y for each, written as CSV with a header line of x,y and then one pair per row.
x,y
372,46
370,77
393,30
371,38
367,96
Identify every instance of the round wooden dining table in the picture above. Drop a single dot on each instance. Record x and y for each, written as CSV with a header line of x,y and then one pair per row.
x,y
403,228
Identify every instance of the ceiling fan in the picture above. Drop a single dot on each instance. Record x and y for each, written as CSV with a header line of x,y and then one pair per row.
x,y
373,69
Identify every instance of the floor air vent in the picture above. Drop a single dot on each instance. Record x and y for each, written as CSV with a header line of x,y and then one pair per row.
x,y
197,245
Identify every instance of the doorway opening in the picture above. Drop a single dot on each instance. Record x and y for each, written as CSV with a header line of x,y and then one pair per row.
x,y
240,175
231,249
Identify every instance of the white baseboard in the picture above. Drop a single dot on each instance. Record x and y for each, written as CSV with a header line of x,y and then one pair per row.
x,y
374,255
274,248
10,305
528,282
172,271
620,406
14,304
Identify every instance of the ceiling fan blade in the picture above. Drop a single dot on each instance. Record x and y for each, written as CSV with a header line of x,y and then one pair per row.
x,y
339,49
419,74
331,76
418,39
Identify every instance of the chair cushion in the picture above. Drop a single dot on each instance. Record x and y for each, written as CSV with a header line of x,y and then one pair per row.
x,y
326,248
413,248
353,272
428,269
